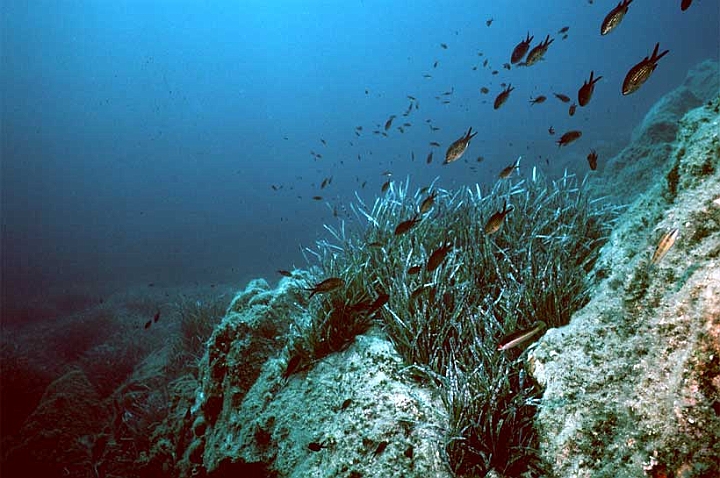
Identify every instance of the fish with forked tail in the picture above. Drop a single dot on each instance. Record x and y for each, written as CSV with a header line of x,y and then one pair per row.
x,y
458,147
639,73
615,16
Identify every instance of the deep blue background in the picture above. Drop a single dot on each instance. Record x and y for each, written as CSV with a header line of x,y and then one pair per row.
x,y
140,140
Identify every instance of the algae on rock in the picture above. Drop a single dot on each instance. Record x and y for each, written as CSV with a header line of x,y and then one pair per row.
x,y
632,385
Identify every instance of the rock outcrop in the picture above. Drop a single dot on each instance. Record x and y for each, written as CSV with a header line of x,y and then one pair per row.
x,y
632,384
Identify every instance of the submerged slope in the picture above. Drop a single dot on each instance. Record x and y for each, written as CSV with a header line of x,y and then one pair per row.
x,y
632,385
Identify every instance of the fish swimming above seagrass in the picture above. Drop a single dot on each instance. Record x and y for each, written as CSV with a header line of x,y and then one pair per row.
x,y
508,170
458,147
520,337
639,73
438,256
496,220
427,203
615,16
405,226
592,158
327,285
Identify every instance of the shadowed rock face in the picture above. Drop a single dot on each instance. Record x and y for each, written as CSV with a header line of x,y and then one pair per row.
x,y
60,435
632,385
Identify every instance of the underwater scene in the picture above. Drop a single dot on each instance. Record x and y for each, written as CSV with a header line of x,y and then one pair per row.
x,y
361,238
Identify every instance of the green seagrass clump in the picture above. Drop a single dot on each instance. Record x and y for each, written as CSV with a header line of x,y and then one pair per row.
x,y
462,270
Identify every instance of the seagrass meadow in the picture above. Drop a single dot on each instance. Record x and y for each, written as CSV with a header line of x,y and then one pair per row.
x,y
447,323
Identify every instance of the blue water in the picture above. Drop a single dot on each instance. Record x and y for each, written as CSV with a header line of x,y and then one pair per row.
x,y
141,140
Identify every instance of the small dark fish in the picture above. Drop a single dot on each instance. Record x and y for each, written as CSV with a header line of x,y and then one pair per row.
x,y
409,452
323,141
537,100
506,66
615,16
157,316
494,72
592,158
292,366
414,270
385,186
484,90
551,130
586,90
317,198
428,160
520,336
443,46
507,171
496,220
388,123
537,53
571,110
569,137
434,143
458,147
381,300
148,324
427,203
480,159
328,285
438,256
502,97
375,244
346,403
685,4
285,273
435,64
315,446
418,290
561,97
563,30
485,63
520,49
325,182
380,448
639,73
405,226
489,21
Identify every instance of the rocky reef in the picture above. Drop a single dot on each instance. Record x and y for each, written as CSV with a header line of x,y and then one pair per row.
x,y
625,381
631,386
